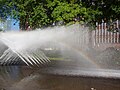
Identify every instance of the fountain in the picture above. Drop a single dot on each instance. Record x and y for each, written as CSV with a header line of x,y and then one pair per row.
x,y
67,49
30,46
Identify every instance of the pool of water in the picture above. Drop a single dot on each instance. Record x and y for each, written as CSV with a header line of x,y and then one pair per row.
x,y
26,78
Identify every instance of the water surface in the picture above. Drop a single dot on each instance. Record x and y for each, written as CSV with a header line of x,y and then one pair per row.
x,y
26,78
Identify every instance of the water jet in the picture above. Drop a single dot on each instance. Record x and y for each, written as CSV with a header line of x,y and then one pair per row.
x,y
74,70
30,46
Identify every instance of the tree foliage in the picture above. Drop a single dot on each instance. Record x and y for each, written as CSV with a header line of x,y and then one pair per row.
x,y
29,12
72,13
110,8
4,9
39,13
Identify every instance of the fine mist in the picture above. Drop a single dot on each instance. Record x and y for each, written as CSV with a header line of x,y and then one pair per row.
x,y
60,42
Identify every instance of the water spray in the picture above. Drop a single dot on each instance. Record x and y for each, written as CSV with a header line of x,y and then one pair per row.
x,y
30,46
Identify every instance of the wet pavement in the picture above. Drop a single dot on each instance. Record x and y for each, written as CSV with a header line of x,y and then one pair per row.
x,y
54,77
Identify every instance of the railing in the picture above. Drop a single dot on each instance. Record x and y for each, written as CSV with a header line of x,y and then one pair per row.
x,y
106,33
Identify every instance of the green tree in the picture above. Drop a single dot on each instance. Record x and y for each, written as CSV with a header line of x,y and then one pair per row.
x,y
4,9
39,13
29,12
71,11
110,8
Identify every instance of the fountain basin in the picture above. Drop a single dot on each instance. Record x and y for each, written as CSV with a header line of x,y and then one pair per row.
x,y
55,77
80,78
68,68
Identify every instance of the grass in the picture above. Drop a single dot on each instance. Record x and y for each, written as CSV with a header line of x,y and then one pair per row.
x,y
57,58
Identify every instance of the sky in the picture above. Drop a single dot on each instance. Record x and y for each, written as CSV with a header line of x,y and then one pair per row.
x,y
15,26
10,25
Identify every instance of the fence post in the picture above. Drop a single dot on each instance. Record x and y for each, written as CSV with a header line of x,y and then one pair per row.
x,y
117,23
105,32
96,41
90,39
102,27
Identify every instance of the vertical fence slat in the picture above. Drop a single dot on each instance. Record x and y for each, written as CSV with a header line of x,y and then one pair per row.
x,y
105,32
102,34
102,31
